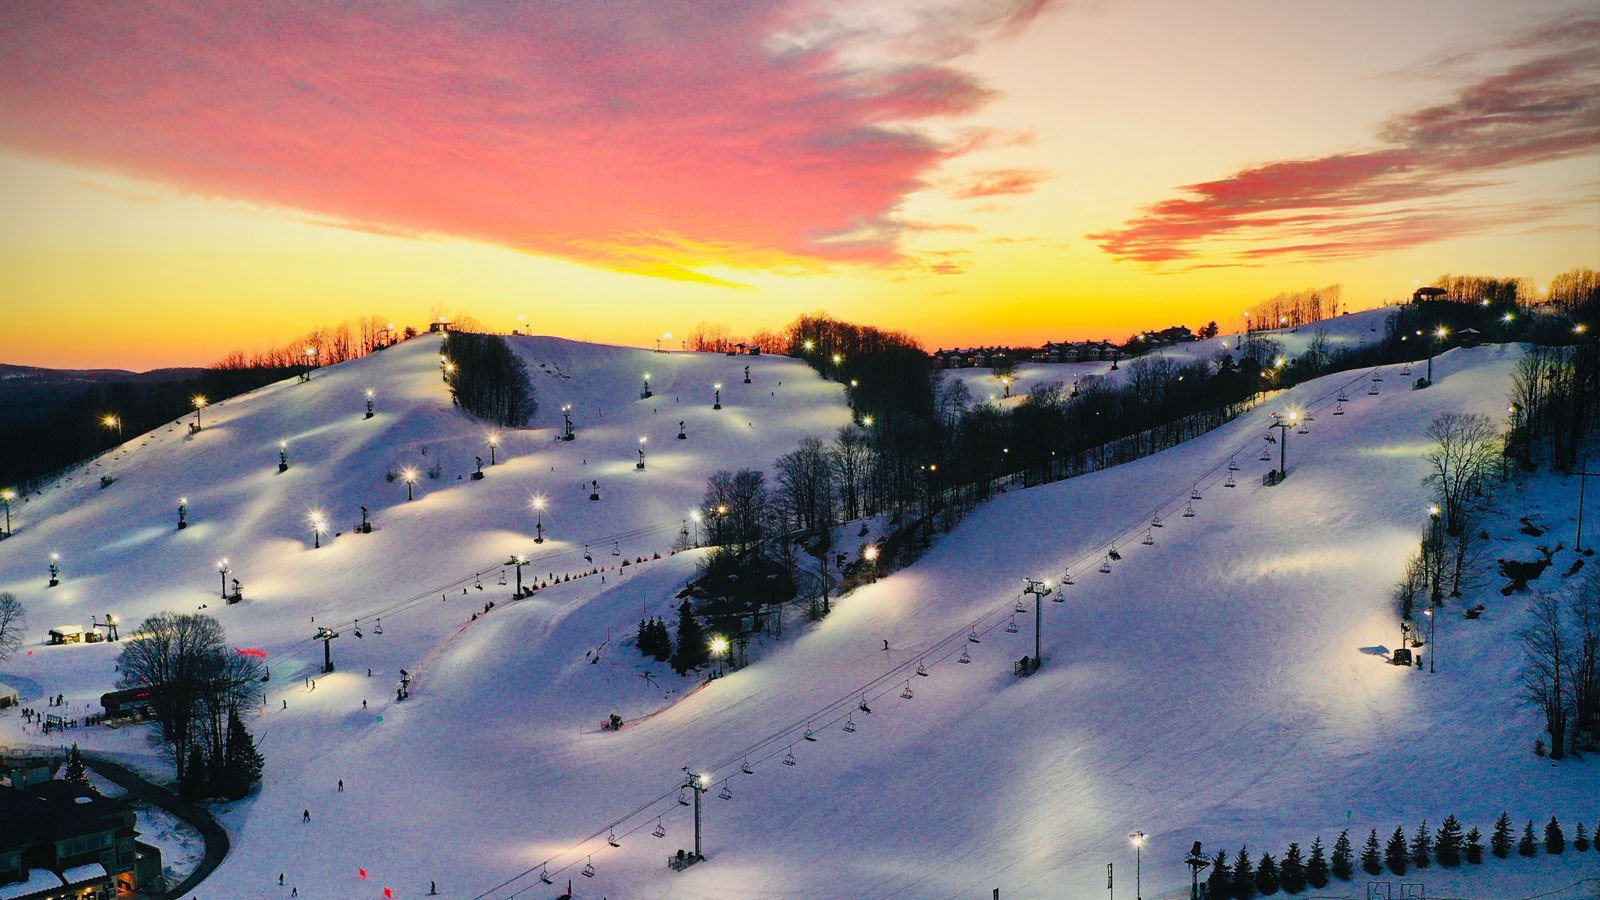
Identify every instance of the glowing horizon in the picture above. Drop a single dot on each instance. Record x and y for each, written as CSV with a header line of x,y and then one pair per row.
x,y
203,179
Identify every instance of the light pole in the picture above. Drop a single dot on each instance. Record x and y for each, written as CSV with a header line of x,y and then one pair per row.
x,y
1432,650
1039,590
183,513
449,369
1436,569
538,524
694,514
410,476
7,496
1138,864
222,570
199,404
871,555
283,456
55,569
640,465
717,402
645,394
318,525
369,402
719,651
1438,334
494,441
311,358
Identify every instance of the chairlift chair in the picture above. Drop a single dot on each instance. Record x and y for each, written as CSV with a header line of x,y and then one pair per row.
x,y
1188,511
727,792
1149,539
922,669
477,583
1021,606
849,725
973,636
1304,429
1105,567
746,767
1233,464
810,735
1376,377
588,867
1338,409
1265,457
1194,492
1343,397
965,657
788,758
544,875
616,549
502,577
683,799
1011,627
660,830
906,693
612,839
1230,482
1405,370
1372,391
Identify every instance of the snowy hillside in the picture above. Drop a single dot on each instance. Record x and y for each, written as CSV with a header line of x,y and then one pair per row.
x,y
1219,683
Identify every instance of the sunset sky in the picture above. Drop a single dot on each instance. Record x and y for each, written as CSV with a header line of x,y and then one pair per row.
x,y
182,179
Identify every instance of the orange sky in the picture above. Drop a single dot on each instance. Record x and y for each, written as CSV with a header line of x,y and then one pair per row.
x,y
204,179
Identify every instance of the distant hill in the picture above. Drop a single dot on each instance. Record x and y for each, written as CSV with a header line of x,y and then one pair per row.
x,y
30,392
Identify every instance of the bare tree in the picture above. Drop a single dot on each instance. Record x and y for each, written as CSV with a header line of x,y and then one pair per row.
x,y
1583,661
851,459
1466,447
1545,667
13,624
805,486
175,655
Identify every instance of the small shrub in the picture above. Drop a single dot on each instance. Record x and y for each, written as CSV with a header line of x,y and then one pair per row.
x,y
1527,846
1554,841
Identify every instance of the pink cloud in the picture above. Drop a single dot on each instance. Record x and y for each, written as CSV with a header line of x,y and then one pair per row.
x,y
996,182
1542,108
640,135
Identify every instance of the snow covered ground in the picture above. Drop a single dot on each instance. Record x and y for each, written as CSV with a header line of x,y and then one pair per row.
x,y
1216,685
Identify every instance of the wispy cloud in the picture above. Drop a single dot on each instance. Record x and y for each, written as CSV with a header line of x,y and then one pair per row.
x,y
996,182
1543,105
633,134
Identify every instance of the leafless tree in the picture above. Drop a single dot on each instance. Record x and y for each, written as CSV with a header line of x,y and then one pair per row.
x,y
1466,448
1545,648
1583,661
852,460
13,624
805,486
1464,555
176,655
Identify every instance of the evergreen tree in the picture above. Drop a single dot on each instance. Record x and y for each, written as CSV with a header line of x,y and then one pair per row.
x,y
661,644
1447,843
1474,847
1317,866
192,784
1218,883
1554,840
1267,876
1580,839
1527,846
1421,846
1395,853
1244,877
76,774
243,763
1341,867
692,651
1371,862
643,640
1292,874
1500,841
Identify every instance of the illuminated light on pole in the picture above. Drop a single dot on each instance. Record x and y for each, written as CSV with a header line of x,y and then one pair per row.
x,y
283,456
199,404
222,570
449,369
640,464
1138,864
1438,334
369,402
538,514
311,360
867,421
719,650
871,555
717,402
113,422
318,526
55,569
494,441
694,514
6,496
646,394
410,476
566,415
518,562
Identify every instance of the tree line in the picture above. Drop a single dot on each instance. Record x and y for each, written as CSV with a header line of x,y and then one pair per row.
x,y
488,380
1245,878
327,345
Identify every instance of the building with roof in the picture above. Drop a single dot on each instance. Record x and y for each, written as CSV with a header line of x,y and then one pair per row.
x,y
63,842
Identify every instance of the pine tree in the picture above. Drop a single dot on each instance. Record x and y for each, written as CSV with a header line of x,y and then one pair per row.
x,y
1580,840
1218,883
1500,841
692,651
643,640
1421,846
1292,874
1267,876
243,763
1244,877
192,784
1527,846
1317,866
1342,869
1395,854
1447,843
1371,862
1474,847
76,774
661,643
1554,840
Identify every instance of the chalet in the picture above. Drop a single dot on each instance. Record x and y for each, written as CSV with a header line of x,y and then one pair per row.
x,y
1080,351
976,358
62,842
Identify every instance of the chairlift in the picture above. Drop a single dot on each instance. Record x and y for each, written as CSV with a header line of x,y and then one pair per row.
x,y
544,875
612,839
1194,492
906,693
1405,370
1188,511
1233,464
727,792
1308,417
1155,522
788,758
1021,606
1060,597
746,767
864,707
588,867
660,830
1105,567
965,657
1011,627
616,548
1343,397
683,799
378,629
1113,554
922,669
810,735
1149,539
973,636
502,577
849,725
477,583
1304,429
1372,391
1376,377
1230,482
1264,455
1338,409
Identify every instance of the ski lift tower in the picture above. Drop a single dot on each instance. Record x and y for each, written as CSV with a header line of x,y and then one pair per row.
x,y
518,562
696,785
326,636
1039,590
1283,423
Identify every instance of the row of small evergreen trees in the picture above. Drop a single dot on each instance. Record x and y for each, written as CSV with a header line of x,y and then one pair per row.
x,y
1243,879
692,651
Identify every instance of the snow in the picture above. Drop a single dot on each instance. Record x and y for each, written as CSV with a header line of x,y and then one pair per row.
x,y
37,880
1212,687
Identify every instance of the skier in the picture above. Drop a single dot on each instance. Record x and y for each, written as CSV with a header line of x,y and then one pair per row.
x,y
305,816
885,643
341,785
432,889
280,879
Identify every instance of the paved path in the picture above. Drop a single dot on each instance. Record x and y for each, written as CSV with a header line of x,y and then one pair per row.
x,y
139,789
